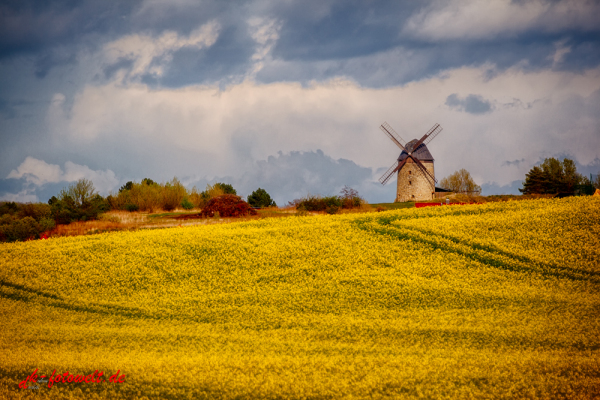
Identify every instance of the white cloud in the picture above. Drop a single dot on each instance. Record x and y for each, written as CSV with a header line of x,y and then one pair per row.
x,y
24,196
39,172
151,54
561,51
473,19
266,33
228,130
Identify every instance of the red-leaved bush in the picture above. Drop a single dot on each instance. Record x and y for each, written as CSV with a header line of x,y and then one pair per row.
x,y
227,205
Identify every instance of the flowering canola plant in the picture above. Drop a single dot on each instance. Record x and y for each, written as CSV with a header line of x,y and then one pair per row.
x,y
499,300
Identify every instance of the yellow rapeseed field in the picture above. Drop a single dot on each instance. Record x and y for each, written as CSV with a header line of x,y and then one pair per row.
x,y
500,300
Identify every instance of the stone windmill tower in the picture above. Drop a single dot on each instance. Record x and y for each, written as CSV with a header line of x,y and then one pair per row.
x,y
416,176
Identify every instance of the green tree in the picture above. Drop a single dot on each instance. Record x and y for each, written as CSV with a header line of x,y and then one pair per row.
x,y
585,187
552,177
461,182
260,198
187,204
596,181
226,188
173,193
78,201
127,186
536,181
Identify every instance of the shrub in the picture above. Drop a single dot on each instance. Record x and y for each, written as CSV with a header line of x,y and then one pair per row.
x,y
131,207
13,229
350,198
9,207
187,204
301,212
329,204
332,210
172,194
149,195
260,198
227,205
46,224
311,203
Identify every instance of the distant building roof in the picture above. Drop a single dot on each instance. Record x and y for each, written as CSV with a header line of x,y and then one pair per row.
x,y
421,153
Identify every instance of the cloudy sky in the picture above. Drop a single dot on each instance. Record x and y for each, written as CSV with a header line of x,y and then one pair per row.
x,y
289,95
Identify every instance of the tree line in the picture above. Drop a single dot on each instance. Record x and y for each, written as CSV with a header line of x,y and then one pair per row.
x,y
81,202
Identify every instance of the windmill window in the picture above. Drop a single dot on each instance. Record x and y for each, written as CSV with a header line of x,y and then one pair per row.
x,y
409,182
409,172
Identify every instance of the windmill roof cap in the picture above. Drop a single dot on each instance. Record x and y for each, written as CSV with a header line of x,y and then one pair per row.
x,y
421,153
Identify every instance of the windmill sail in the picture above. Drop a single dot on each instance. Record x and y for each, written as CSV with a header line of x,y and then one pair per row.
x,y
386,177
433,132
388,130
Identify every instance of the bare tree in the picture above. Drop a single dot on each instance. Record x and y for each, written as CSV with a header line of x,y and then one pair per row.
x,y
348,193
80,192
461,182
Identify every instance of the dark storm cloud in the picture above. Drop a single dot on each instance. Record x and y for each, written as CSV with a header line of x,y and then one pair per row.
x,y
11,185
9,109
472,104
332,30
360,41
54,58
318,40
36,25
229,56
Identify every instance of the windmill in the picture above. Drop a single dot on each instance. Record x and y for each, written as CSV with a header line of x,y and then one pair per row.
x,y
416,177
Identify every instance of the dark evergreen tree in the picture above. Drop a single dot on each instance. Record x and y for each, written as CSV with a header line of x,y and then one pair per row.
x,y
260,198
535,182
552,177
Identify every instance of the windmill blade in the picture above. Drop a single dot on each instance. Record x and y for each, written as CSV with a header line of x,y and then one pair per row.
x,y
386,177
388,174
433,132
388,130
428,137
424,170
